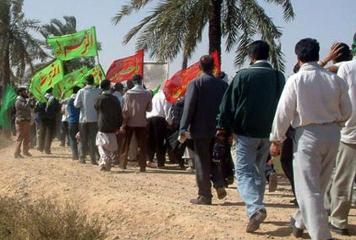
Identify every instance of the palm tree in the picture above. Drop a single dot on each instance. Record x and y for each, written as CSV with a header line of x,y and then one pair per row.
x,y
57,28
18,48
175,26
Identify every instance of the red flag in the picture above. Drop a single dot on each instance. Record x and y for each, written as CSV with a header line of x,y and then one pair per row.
x,y
176,86
125,68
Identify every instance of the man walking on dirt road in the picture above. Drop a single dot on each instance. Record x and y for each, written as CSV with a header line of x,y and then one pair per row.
x,y
22,122
201,107
247,110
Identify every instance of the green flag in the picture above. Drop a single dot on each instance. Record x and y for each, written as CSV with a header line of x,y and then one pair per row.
x,y
45,79
70,80
98,74
80,44
8,101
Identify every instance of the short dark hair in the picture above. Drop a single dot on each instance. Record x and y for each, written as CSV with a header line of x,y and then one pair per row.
x,y
259,50
296,68
20,90
137,79
307,50
75,89
89,79
118,87
105,85
129,84
206,63
345,53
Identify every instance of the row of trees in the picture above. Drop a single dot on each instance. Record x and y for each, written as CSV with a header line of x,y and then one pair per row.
x,y
177,26
172,27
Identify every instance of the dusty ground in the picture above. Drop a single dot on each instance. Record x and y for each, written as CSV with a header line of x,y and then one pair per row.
x,y
152,205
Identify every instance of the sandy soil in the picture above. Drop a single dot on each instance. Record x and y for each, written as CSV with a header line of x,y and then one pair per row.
x,y
152,205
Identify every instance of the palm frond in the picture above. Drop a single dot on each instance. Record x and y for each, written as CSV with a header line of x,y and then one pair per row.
x,y
288,10
127,9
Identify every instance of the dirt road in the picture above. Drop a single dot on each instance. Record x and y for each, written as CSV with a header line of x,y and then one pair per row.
x,y
152,205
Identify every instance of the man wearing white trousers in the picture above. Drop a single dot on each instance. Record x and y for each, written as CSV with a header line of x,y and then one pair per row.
x,y
316,103
345,170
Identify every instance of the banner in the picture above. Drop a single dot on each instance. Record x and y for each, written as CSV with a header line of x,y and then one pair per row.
x,y
124,69
155,73
176,86
64,87
80,44
8,101
45,79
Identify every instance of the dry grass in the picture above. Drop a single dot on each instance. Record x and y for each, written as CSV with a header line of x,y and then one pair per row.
x,y
46,220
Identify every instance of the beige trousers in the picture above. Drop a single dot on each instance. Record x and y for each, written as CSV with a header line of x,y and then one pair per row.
x,y
341,187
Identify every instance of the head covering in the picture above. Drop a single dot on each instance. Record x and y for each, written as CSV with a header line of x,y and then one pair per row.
x,y
20,88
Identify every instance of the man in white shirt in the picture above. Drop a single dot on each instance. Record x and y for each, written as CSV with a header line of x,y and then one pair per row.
x,y
88,119
315,102
345,171
158,120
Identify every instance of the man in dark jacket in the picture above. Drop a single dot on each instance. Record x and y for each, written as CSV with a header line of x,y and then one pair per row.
x,y
22,122
201,107
247,109
47,112
109,123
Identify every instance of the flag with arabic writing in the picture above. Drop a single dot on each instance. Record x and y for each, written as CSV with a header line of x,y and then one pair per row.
x,y
63,89
80,44
176,86
45,79
124,69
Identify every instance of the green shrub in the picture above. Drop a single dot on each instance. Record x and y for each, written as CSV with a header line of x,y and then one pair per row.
x,y
46,220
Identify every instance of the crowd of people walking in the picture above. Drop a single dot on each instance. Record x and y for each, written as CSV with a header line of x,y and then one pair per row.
x,y
232,129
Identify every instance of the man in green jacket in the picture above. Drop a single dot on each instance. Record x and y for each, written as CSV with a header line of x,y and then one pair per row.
x,y
247,110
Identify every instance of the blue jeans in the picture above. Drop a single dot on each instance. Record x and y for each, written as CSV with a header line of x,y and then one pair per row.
x,y
250,171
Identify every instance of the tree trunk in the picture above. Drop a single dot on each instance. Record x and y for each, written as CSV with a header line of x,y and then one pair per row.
x,y
215,27
185,61
6,71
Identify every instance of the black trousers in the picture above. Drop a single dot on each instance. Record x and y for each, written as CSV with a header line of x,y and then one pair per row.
x,y
287,160
157,133
206,170
46,135
88,133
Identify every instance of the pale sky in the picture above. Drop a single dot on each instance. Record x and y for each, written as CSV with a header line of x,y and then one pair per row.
x,y
326,20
